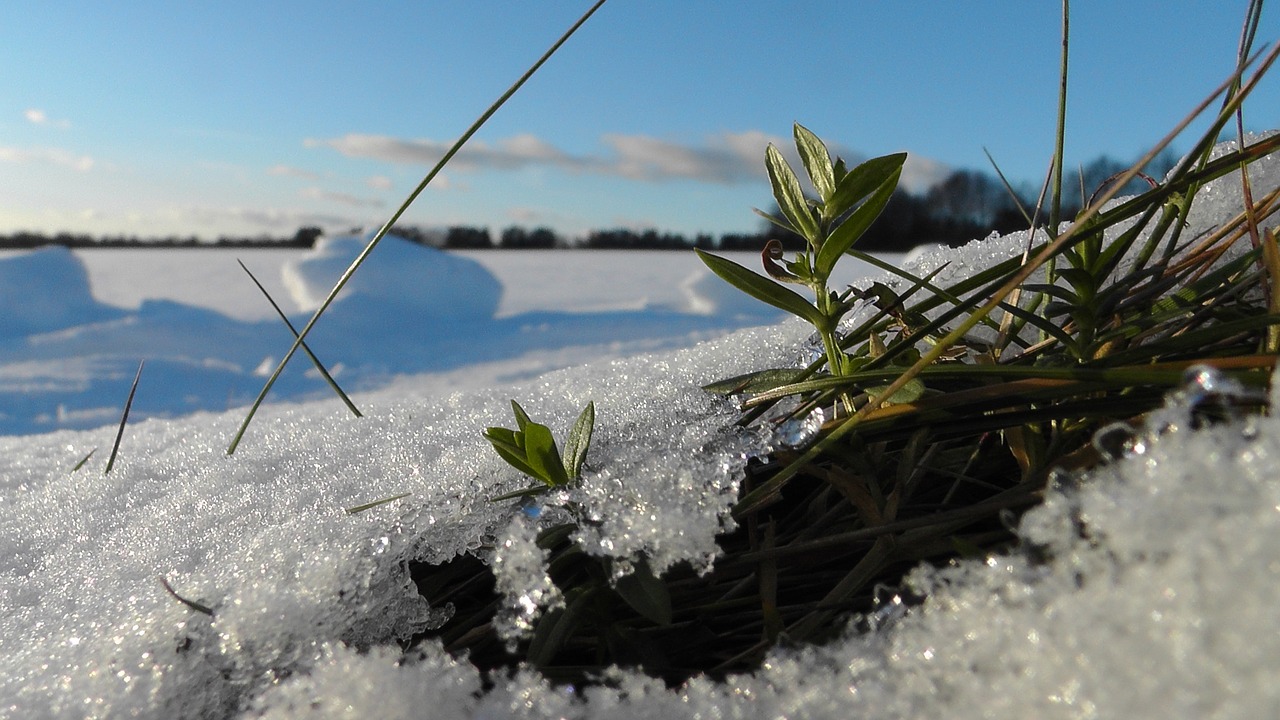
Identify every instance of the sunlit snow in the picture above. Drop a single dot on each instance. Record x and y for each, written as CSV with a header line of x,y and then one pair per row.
x,y
1157,599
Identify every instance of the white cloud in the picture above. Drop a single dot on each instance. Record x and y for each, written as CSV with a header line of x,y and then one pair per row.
x,y
316,193
243,219
921,173
47,156
36,116
724,159
290,171
378,182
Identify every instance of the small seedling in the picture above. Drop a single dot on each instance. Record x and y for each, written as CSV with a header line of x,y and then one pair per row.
x,y
532,450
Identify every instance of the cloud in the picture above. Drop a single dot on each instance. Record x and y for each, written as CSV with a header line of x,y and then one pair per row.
x,y
378,182
35,116
921,173
316,193
264,219
724,159
47,156
290,171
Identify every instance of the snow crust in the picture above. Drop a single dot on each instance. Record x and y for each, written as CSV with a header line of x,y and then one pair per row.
x,y
1147,589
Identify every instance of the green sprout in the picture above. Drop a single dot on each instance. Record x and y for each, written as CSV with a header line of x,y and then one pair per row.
x,y
848,202
532,450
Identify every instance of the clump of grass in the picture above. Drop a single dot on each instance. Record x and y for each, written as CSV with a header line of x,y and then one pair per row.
x,y
1093,326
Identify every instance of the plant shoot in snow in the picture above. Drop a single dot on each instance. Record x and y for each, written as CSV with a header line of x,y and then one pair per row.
x,y
848,202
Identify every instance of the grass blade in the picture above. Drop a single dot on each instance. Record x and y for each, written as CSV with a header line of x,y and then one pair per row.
x,y
198,607
124,418
386,227
84,460
305,348
366,506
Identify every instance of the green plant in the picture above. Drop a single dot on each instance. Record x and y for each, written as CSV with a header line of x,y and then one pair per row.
x,y
848,202
532,450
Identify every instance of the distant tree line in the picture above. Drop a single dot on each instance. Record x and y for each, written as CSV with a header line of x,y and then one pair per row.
x,y
966,205
305,237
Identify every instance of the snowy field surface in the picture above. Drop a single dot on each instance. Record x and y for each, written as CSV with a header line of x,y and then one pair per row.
x,y
81,321
1151,593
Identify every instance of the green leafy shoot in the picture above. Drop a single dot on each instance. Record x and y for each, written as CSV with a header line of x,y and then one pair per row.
x,y
848,202
531,448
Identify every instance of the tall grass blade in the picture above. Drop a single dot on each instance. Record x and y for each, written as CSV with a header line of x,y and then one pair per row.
x,y
1055,197
124,418
386,227
305,348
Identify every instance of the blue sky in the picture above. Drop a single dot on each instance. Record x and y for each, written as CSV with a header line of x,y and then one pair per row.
x,y
248,117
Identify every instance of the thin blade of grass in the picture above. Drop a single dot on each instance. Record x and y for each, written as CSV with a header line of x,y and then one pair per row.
x,y
305,348
124,418
84,460
198,607
386,227
366,506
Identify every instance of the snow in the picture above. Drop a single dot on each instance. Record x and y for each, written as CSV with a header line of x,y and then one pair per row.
x,y
88,317
1115,614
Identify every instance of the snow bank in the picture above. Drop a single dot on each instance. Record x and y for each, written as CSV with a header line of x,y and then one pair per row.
x,y
46,290
399,274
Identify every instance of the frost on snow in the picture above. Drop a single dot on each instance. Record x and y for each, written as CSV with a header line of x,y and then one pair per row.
x,y
1150,592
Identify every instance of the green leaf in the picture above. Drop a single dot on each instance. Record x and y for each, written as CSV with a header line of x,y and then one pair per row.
x,y
861,182
817,162
522,418
1055,291
646,594
1082,281
509,451
774,220
556,626
791,200
1042,323
762,288
905,394
756,382
542,455
839,171
575,446
527,492
844,236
